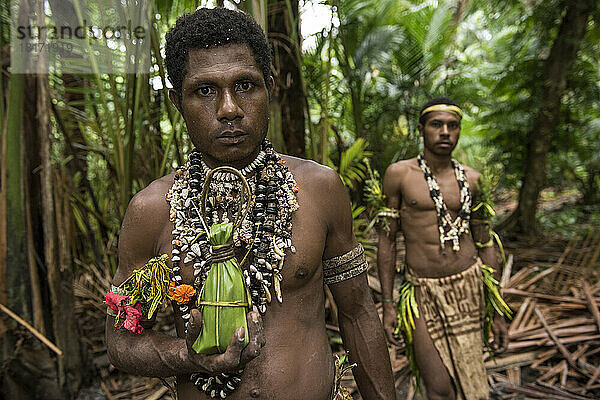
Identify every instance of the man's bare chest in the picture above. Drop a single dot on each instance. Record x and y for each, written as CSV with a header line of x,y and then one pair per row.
x,y
416,196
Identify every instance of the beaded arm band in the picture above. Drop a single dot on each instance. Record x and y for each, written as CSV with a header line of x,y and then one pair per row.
x,y
389,213
346,266
489,243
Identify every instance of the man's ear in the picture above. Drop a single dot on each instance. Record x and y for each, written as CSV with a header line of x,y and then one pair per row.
x,y
270,86
174,96
420,128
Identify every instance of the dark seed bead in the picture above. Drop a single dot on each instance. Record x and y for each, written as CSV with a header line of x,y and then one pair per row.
x,y
268,228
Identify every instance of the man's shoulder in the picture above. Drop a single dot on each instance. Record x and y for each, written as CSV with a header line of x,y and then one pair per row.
x,y
403,166
152,199
319,186
145,220
310,172
397,172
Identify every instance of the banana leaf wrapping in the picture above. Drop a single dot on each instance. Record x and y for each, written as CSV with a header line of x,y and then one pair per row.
x,y
224,300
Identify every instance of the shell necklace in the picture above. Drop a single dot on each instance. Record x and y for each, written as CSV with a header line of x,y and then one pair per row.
x,y
450,230
265,232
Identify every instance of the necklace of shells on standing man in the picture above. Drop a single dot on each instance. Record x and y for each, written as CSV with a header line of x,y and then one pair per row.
x,y
450,230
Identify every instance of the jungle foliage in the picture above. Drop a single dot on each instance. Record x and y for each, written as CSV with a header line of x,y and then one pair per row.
x,y
74,148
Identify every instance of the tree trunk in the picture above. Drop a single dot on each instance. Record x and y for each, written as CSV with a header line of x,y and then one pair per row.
x,y
14,278
15,222
591,194
32,203
357,108
284,34
4,51
557,67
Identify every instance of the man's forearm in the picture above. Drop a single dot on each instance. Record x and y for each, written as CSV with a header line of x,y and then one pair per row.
x,y
364,340
385,267
489,257
149,354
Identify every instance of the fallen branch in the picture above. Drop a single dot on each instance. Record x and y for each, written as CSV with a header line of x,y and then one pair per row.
x,y
561,347
34,331
593,307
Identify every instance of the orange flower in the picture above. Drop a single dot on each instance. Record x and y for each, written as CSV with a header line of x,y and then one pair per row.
x,y
183,293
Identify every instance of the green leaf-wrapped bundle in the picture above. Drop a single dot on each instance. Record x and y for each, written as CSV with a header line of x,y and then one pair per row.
x,y
224,299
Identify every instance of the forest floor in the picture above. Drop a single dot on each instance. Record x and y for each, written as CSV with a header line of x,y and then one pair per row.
x,y
537,256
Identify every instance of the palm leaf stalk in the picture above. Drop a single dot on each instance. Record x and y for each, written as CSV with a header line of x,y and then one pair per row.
x,y
149,284
407,311
493,301
488,213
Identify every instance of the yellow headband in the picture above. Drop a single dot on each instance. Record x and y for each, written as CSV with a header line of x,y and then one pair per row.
x,y
444,107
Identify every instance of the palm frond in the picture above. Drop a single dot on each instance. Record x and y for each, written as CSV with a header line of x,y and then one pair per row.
x,y
353,163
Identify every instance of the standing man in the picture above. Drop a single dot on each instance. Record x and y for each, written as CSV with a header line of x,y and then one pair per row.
x,y
291,242
441,306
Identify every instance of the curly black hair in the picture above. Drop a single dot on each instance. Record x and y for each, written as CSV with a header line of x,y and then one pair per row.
x,y
433,102
212,27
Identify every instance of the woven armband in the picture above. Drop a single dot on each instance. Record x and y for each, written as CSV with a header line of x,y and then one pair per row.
x,y
389,213
489,243
346,266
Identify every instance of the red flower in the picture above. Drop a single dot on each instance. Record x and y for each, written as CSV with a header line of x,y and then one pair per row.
x,y
133,314
116,301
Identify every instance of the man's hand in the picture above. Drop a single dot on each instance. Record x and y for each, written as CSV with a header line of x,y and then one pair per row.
x,y
500,331
390,322
236,356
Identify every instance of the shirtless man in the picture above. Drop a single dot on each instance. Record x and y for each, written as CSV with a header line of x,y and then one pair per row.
x,y
219,63
443,259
